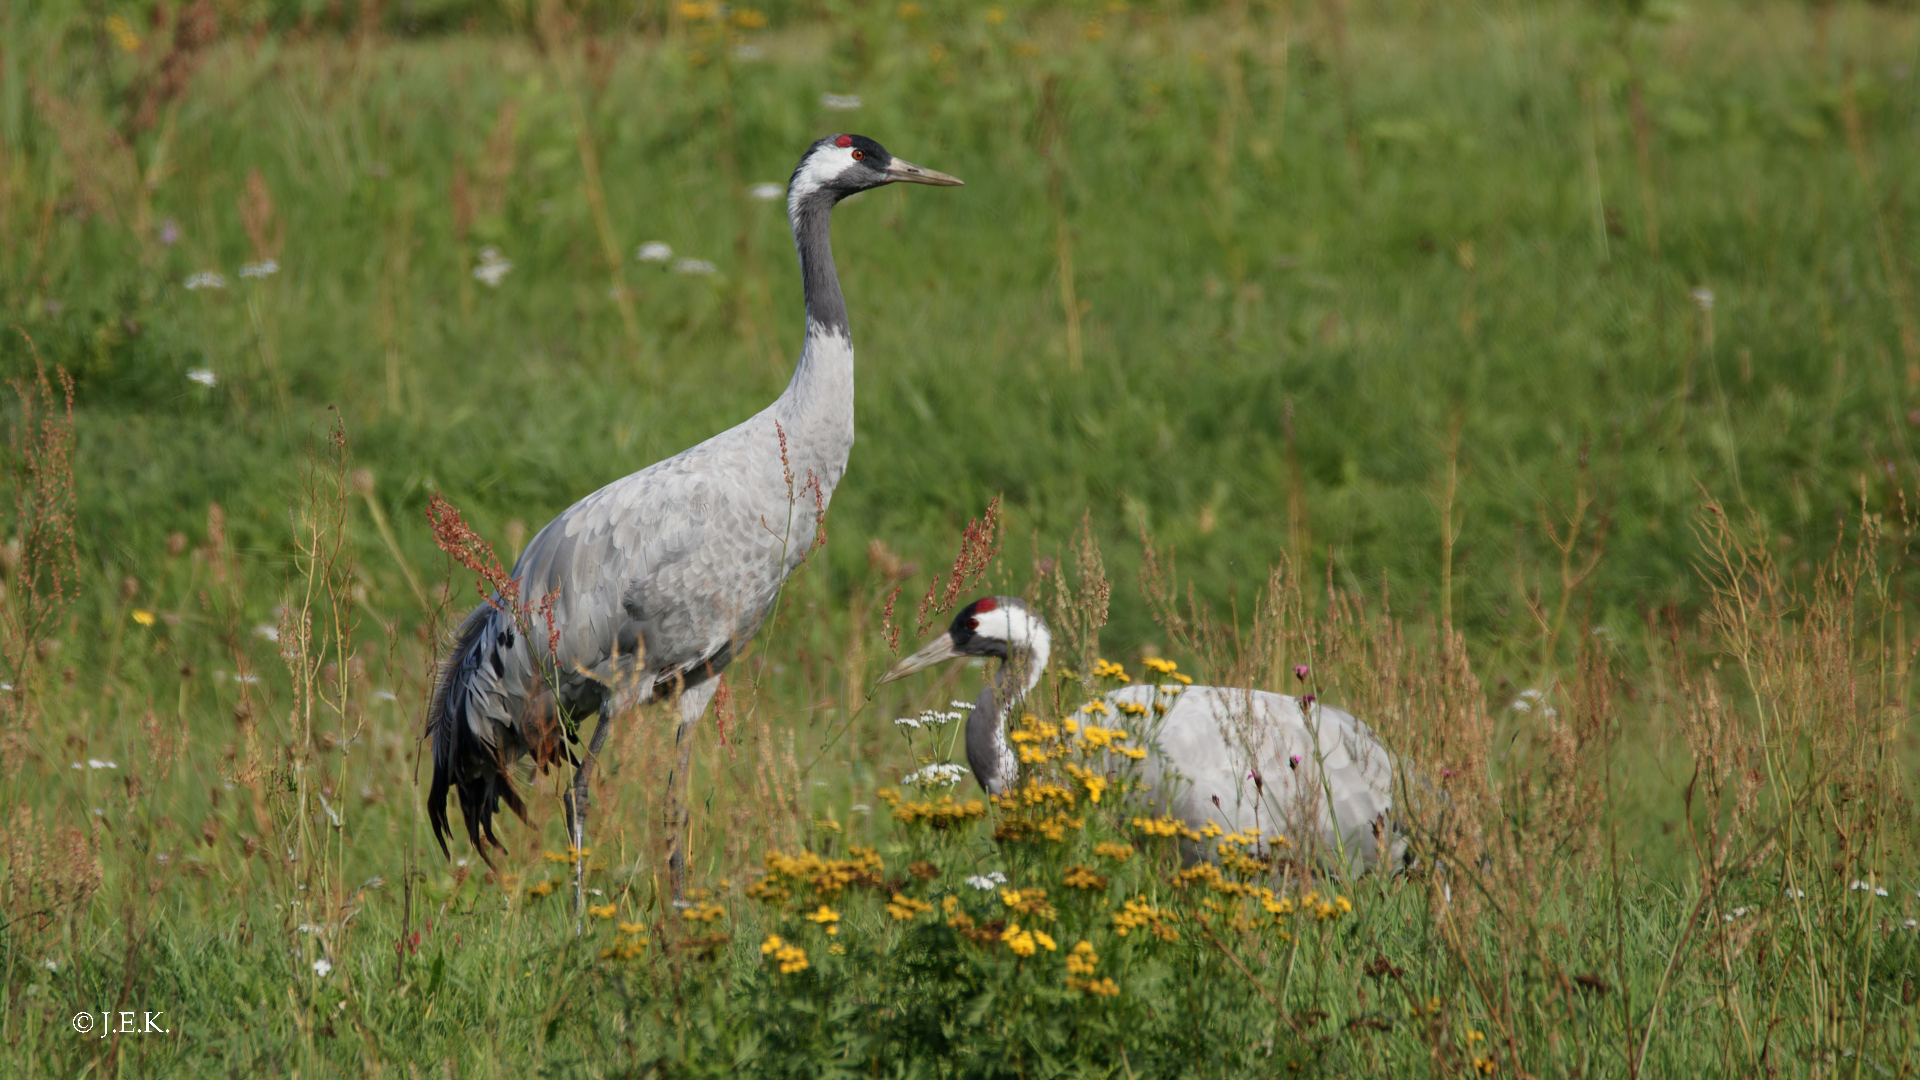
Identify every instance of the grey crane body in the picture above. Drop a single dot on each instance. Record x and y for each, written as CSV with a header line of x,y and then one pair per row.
x,y
1232,757
650,586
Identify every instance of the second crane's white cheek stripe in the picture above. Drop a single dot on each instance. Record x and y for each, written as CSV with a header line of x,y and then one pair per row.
x,y
1017,627
820,167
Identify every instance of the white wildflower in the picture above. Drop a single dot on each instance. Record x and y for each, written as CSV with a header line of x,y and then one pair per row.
x,y
1911,924
767,192
493,267
840,102
203,376
963,706
322,966
99,811
263,268
374,882
206,279
1703,296
987,882
653,251
1880,892
385,695
942,775
1736,913
77,765
694,266
51,964
862,808
267,632
96,763
1796,894
248,679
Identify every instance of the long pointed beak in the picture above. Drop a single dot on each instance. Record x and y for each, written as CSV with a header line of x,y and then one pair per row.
x,y
938,650
906,172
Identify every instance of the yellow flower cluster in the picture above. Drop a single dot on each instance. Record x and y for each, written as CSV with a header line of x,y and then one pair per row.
x,y
1023,942
1159,665
827,877
1482,1064
707,913
791,958
1116,852
904,908
1099,738
535,892
1107,669
942,813
957,919
1082,960
631,943
1132,708
1165,826
1137,913
571,855
825,917
604,911
1028,902
1094,782
1084,877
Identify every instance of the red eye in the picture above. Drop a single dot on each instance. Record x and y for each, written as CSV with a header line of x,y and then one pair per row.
x,y
857,155
973,624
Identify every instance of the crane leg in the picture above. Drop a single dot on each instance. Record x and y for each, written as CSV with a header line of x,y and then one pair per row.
x,y
579,801
693,703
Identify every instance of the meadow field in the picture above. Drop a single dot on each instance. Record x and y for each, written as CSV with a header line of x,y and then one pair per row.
x,y
1542,378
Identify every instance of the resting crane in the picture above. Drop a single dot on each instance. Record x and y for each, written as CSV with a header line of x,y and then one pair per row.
x,y
647,588
1237,758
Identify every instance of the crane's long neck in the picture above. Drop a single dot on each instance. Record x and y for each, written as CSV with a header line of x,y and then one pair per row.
x,y
992,757
817,407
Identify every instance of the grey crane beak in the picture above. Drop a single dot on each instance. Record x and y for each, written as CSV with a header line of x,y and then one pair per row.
x,y
937,651
906,172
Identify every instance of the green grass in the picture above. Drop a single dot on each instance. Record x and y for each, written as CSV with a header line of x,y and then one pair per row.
x,y
1315,248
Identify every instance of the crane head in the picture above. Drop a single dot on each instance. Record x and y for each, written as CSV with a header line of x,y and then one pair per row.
x,y
842,165
1002,626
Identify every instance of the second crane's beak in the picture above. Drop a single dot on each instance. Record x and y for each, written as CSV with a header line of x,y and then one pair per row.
x,y
906,172
937,651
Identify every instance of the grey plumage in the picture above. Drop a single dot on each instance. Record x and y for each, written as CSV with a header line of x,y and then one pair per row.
x,y
1237,758
648,587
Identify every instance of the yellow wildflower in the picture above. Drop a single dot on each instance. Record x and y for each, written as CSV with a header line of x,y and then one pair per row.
x,y
826,917
1084,877
605,911
749,19
1345,905
995,16
1044,941
143,616
791,958
1116,852
904,908
1082,958
908,11
704,9
1022,942
632,928
1159,664
704,913
540,890
122,33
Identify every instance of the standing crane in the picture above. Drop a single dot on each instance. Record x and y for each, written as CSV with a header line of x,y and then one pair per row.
x,y
1236,758
646,589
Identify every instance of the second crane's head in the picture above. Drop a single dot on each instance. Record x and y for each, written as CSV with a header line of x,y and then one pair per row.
x,y
1001,626
842,165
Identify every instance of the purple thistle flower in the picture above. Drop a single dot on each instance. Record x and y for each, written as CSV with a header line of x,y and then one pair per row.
x,y
169,232
1306,701
1300,672
1294,762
